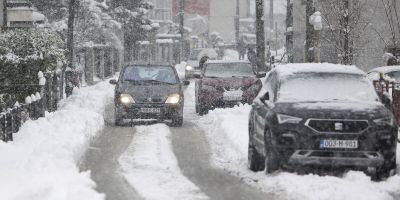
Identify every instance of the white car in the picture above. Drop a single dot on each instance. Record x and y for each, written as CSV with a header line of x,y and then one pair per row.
x,y
192,69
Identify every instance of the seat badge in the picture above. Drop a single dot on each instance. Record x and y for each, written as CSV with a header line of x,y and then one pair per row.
x,y
338,126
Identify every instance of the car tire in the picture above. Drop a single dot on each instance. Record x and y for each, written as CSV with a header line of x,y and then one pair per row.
x,y
387,170
272,162
177,122
256,161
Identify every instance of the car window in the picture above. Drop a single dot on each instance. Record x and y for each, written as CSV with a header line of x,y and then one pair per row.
x,y
160,74
394,75
224,70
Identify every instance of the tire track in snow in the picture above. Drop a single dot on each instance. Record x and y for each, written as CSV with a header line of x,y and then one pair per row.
x,y
152,169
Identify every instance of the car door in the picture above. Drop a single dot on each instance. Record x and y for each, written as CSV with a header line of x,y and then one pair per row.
x,y
261,108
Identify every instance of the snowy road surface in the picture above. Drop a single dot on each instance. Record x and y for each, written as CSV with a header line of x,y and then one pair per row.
x,y
207,159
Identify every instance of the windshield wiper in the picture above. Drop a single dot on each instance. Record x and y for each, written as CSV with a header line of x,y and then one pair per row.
x,y
158,82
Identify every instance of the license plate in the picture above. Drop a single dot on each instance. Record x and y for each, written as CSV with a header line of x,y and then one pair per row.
x,y
233,95
150,110
338,144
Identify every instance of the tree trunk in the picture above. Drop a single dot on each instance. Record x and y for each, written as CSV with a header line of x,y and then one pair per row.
x,y
260,36
289,33
70,33
309,52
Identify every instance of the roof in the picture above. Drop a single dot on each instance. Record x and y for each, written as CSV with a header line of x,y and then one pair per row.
x,y
290,69
386,69
226,61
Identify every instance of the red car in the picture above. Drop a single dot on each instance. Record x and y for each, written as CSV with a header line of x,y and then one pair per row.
x,y
226,84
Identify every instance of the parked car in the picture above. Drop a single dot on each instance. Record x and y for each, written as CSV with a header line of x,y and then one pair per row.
x,y
193,68
321,115
225,84
149,92
390,72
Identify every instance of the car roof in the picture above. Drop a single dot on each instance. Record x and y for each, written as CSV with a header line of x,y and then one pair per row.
x,y
291,69
148,65
386,69
226,61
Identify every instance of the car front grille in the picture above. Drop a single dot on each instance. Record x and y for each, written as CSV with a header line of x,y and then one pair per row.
x,y
337,126
150,100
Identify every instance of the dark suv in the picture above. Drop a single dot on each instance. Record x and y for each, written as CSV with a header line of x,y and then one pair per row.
x,y
321,116
149,92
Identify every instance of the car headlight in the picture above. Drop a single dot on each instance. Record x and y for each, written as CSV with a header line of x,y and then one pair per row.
x,y
189,68
384,121
286,119
173,99
126,99
209,88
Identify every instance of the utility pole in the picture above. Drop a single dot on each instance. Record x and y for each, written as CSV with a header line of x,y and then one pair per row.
x,y
237,24
70,43
271,15
181,26
260,34
5,14
309,47
347,57
289,31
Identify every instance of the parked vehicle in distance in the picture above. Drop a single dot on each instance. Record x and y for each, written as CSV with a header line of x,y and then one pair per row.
x,y
321,115
193,69
388,72
149,92
225,84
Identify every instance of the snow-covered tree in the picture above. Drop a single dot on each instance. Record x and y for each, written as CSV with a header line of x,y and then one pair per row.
x,y
25,52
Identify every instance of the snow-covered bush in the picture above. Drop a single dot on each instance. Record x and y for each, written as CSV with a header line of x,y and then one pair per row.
x,y
25,52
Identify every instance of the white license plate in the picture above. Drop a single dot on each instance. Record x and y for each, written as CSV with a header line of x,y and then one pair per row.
x,y
233,95
150,110
338,144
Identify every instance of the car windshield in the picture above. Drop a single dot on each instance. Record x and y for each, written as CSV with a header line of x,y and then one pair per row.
x,y
326,87
228,70
161,74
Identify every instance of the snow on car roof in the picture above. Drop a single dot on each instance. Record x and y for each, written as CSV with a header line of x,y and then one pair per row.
x,y
226,61
290,69
386,69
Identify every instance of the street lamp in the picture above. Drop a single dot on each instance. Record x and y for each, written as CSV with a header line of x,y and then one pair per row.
x,y
316,21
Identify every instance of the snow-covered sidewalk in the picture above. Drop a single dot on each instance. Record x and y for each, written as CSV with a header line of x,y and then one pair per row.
x,y
42,161
227,132
151,167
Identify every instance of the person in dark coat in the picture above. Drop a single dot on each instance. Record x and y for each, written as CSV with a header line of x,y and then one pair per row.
x,y
251,55
203,60
241,49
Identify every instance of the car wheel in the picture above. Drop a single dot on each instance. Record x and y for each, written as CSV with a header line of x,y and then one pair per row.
x,y
388,169
177,122
255,159
272,162
118,120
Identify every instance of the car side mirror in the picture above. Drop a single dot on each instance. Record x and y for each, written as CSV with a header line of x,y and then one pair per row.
x,y
113,82
186,82
265,97
261,74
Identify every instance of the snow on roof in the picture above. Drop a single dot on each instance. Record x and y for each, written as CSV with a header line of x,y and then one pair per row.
x,y
164,41
226,61
386,69
37,16
290,69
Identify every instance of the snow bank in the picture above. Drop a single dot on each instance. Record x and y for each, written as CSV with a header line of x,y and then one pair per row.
x,y
227,132
151,167
42,161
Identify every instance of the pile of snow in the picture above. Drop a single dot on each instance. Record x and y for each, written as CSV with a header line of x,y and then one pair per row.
x,y
42,161
151,167
227,132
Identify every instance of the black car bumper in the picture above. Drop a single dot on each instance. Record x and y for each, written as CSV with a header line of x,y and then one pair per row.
x,y
336,158
150,111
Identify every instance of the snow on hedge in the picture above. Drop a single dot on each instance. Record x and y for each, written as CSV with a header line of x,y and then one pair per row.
x,y
151,167
42,161
227,132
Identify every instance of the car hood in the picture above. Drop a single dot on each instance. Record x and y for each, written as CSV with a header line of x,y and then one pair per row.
x,y
233,82
143,92
333,110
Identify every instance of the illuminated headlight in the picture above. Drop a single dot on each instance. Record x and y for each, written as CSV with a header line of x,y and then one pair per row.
x,y
384,121
173,99
126,99
208,88
189,68
286,119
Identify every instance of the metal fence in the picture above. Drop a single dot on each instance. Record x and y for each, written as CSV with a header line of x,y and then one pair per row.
x,y
46,98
